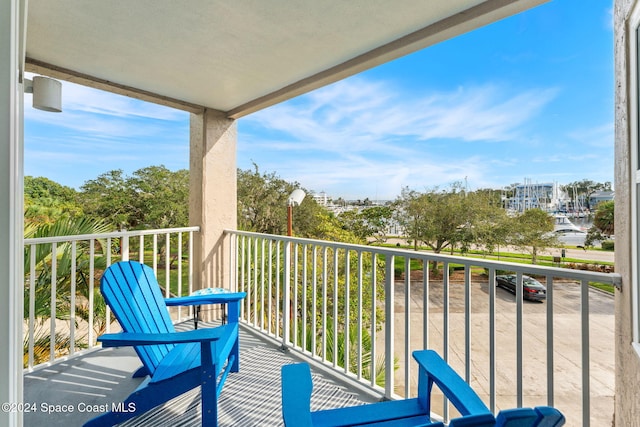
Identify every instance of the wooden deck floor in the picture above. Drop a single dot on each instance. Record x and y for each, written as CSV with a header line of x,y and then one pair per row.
x,y
72,392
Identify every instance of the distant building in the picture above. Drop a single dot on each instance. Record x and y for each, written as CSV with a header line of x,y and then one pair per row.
x,y
321,198
545,196
600,196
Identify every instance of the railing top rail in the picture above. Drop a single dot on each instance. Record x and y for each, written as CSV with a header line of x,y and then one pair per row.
x,y
121,233
593,276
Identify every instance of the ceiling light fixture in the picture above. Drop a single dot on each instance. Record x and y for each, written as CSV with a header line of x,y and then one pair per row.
x,y
47,93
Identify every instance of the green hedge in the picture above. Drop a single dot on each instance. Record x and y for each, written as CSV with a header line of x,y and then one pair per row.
x,y
608,245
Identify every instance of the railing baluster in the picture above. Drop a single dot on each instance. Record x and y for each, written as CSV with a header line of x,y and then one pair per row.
x,y
244,307
407,327
124,248
304,303
54,302
360,317
314,312
550,347
270,284
262,280
389,327
32,302
92,264
190,265
108,310
519,301
249,272
425,303
467,323
141,249
325,284
336,302
254,269
374,306
445,328
155,255
72,300
584,321
167,266
492,339
179,291
278,284
286,303
347,313
294,287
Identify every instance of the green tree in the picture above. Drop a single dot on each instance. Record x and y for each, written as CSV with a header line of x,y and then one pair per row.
x,y
533,231
490,225
110,198
262,206
439,219
46,201
153,197
603,223
370,224
160,197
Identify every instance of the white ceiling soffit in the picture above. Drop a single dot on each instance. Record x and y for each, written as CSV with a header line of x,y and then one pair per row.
x,y
237,56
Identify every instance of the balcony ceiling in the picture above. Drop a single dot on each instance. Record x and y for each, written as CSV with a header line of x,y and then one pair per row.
x,y
237,56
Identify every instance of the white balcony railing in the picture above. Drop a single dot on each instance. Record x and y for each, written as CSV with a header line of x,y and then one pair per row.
x,y
63,310
357,311
383,303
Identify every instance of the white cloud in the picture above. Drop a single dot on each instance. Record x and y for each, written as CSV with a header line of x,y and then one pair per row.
x,y
372,138
601,136
356,115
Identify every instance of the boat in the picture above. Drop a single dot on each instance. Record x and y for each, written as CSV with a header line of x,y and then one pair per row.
x,y
564,225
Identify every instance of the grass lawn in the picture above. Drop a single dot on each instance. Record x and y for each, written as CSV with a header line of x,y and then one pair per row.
x,y
520,258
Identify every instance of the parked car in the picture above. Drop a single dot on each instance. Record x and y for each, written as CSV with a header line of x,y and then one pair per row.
x,y
531,288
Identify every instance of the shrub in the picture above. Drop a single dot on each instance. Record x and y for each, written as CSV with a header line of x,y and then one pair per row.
x,y
607,245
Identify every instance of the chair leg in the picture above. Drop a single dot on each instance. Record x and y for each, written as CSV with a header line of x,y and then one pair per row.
x,y
235,352
209,398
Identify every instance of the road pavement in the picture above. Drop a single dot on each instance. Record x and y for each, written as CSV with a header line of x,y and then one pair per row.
x,y
567,342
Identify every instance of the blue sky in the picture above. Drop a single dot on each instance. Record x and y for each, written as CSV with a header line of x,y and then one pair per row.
x,y
529,97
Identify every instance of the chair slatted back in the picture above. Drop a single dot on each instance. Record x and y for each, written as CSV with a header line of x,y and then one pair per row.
x,y
133,294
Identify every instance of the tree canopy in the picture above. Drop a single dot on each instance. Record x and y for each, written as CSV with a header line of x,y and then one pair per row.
x,y
533,231
46,201
457,218
603,223
153,197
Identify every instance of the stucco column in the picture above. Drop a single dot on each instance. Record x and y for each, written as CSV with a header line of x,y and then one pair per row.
x,y
11,207
212,194
627,397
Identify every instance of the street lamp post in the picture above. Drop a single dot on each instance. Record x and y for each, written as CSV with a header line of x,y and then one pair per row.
x,y
295,198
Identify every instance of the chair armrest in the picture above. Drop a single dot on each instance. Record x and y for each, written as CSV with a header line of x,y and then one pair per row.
x,y
225,298
133,339
433,369
296,395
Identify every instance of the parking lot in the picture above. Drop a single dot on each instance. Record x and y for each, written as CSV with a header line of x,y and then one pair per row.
x,y
567,341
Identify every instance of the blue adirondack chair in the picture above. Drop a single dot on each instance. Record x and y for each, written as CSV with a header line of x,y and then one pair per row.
x,y
175,362
296,399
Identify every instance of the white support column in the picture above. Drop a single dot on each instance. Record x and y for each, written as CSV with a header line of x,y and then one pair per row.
x,y
11,207
212,195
